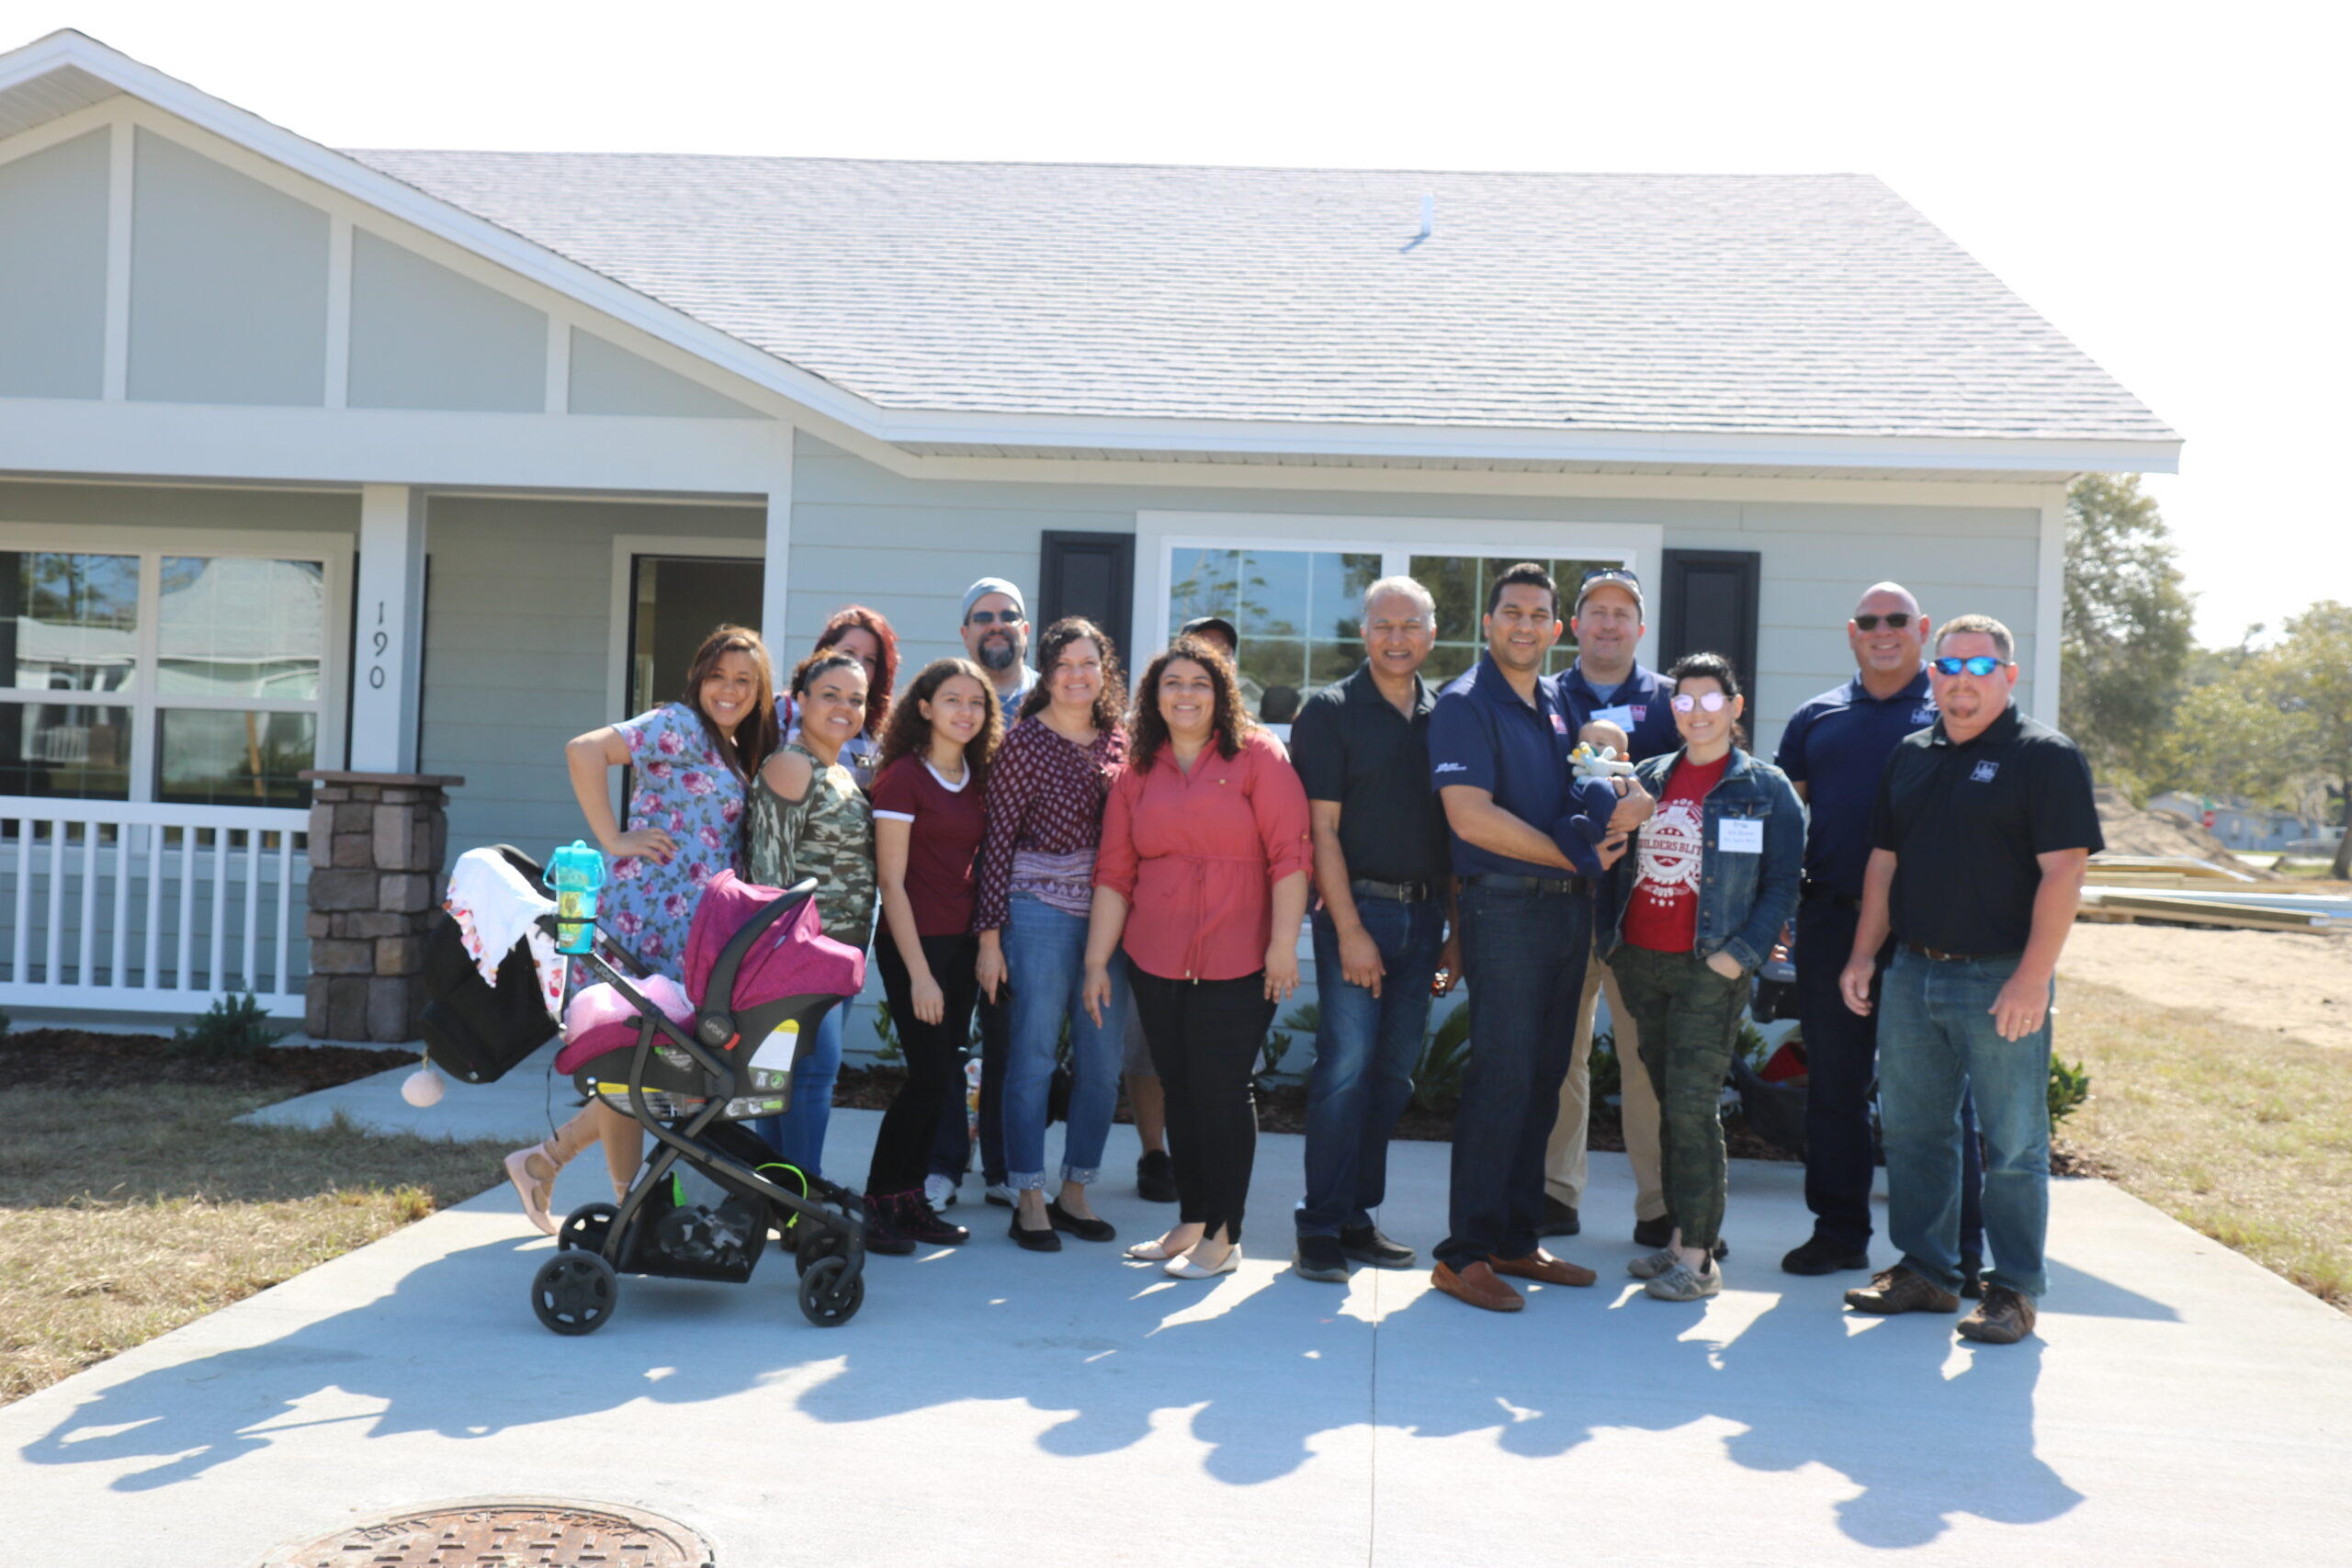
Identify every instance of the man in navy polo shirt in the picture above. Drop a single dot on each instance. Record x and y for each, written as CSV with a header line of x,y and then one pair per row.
x,y
1835,750
1606,683
1498,758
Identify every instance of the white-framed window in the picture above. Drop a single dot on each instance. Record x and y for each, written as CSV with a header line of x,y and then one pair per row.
x,y
182,667
1294,595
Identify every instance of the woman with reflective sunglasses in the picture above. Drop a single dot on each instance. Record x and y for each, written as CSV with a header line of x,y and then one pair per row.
x,y
1699,904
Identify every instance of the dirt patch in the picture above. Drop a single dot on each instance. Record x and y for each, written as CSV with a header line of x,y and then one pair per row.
x,y
2129,830
70,1059
2297,985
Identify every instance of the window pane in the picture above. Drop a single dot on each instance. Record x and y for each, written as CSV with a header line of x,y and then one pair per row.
x,y
206,757
68,622
240,627
1460,586
1206,583
81,750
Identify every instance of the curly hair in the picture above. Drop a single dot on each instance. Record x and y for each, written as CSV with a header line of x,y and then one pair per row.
x,y
857,618
1229,722
1111,704
757,735
909,731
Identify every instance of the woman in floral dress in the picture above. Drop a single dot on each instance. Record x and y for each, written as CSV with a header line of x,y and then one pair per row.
x,y
692,763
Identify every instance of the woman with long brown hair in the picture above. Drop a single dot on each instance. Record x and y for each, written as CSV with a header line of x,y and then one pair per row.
x,y
690,764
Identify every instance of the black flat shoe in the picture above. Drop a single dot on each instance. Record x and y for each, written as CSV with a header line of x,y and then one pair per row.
x,y
1085,1230
1046,1240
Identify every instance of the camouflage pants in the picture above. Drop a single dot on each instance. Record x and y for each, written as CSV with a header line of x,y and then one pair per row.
x,y
1687,1017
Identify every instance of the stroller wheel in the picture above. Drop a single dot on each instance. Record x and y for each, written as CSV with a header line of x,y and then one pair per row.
x,y
586,1227
816,1245
574,1292
829,1293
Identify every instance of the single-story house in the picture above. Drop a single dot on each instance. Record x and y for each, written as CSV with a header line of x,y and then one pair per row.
x,y
419,463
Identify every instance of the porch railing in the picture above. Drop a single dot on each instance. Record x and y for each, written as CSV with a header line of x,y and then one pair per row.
x,y
151,908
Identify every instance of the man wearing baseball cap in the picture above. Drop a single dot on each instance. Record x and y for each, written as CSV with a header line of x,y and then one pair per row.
x,y
1606,683
996,634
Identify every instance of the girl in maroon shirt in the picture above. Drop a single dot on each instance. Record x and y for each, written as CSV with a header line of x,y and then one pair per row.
x,y
1207,829
928,821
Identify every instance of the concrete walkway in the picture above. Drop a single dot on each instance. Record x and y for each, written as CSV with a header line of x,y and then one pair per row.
x,y
993,1407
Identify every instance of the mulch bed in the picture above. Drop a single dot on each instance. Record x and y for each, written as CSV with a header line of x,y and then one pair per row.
x,y
71,1058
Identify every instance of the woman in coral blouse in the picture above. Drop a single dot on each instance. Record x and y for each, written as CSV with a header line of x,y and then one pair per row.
x,y
1206,827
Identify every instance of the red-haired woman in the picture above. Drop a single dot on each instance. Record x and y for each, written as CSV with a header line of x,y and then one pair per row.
x,y
692,761
865,635
1207,828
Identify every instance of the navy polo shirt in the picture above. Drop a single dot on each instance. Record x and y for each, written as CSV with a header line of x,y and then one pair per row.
x,y
1837,745
1647,692
1481,734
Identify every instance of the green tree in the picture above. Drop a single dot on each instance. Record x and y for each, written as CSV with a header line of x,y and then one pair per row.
x,y
2126,638
2314,665
2233,733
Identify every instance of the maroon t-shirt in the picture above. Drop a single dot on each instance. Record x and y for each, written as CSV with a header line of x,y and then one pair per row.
x,y
942,840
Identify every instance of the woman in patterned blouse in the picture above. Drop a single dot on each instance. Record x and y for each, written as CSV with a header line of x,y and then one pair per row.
x,y
808,817
691,763
1045,792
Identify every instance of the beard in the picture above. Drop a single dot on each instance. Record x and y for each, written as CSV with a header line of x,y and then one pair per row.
x,y
1000,650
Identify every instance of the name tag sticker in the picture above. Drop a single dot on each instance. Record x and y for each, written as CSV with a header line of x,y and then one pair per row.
x,y
1740,836
1623,717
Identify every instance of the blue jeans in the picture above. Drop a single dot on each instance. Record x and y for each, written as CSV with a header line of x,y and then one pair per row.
x,y
799,1133
1524,954
1365,1050
1937,1045
1045,962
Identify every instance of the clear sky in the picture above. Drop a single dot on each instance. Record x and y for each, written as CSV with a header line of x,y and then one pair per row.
x,y
2164,183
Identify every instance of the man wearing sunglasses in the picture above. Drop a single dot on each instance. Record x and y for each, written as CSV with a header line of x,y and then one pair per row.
x,y
1606,682
1834,750
1982,830
996,635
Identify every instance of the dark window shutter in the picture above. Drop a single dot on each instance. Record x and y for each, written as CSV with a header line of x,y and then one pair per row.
x,y
1087,574
1709,605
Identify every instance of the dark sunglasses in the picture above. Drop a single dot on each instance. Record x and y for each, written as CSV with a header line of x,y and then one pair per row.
x,y
993,618
1979,664
1895,620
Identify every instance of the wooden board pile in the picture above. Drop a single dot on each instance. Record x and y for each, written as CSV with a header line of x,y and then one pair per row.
x,y
2129,888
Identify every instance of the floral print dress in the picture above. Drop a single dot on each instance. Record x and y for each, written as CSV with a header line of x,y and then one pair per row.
x,y
683,786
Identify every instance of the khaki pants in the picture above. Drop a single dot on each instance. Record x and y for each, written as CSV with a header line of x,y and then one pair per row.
x,y
1564,1157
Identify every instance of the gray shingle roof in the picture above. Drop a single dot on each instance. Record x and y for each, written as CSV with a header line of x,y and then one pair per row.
x,y
1819,304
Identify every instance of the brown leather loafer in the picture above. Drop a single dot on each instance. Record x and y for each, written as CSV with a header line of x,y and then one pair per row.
x,y
1477,1285
1899,1290
1540,1265
2003,1317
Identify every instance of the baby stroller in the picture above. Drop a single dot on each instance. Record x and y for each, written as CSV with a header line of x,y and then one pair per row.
x,y
760,976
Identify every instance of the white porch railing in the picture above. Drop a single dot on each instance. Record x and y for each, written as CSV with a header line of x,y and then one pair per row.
x,y
151,908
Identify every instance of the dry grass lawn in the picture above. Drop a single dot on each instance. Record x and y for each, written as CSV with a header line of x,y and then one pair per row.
x,y
2244,1137
127,1212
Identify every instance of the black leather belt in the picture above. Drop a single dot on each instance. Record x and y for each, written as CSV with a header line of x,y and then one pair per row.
x,y
1529,883
1822,893
1938,955
1402,892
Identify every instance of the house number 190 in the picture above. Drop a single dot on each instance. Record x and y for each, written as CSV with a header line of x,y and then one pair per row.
x,y
382,640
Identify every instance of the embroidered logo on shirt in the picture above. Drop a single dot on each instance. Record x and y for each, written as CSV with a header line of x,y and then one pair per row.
x,y
1559,725
1923,713
1452,768
1641,711
1983,771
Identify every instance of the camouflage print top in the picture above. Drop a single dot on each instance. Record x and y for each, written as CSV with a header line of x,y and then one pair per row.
x,y
827,834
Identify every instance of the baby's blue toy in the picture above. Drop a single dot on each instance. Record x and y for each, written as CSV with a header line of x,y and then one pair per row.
x,y
1594,794
575,872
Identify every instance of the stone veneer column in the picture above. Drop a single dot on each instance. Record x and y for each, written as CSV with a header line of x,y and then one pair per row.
x,y
377,842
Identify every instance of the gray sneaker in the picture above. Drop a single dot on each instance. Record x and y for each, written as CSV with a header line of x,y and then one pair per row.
x,y
1684,1283
1650,1264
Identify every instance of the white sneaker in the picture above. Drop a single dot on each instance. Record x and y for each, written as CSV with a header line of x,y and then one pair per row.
x,y
1001,1194
1649,1267
938,1191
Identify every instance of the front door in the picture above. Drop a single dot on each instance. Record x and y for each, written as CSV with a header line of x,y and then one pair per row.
x,y
675,603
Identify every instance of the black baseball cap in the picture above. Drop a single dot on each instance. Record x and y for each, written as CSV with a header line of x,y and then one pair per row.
x,y
1199,623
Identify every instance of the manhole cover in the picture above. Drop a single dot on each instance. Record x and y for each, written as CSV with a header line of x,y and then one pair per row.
x,y
503,1532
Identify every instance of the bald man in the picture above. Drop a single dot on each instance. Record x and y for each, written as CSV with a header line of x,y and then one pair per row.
x,y
1834,750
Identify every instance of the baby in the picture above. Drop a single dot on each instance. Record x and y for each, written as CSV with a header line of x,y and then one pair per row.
x,y
1599,762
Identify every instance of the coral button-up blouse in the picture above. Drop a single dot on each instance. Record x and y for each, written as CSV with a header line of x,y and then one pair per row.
x,y
1196,857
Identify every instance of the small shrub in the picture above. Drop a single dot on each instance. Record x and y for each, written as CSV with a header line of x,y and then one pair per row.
x,y
1445,1055
232,1027
887,1032
2070,1085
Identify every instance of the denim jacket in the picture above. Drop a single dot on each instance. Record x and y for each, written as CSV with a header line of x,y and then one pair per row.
x,y
1744,899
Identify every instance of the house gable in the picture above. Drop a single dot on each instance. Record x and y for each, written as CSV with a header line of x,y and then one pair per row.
x,y
606,379
54,271
422,336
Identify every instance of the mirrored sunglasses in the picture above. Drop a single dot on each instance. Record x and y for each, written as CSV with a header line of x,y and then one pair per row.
x,y
1979,665
1895,620
993,618
1712,702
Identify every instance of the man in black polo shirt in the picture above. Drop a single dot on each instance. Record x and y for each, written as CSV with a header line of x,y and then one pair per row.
x,y
1498,759
1835,750
1979,838
1362,749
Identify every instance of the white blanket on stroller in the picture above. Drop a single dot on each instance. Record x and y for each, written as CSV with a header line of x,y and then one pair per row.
x,y
495,907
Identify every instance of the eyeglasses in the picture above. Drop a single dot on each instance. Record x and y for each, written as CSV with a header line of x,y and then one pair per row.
x,y
1979,664
993,618
1895,621
1712,702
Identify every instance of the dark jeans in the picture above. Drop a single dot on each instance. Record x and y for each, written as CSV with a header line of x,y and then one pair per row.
x,y
1841,1055
902,1146
1686,1016
951,1149
1365,1050
1523,956
1204,1037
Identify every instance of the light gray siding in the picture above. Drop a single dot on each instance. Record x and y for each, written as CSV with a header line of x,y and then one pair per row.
x,y
610,379
228,285
54,271
424,337
198,511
